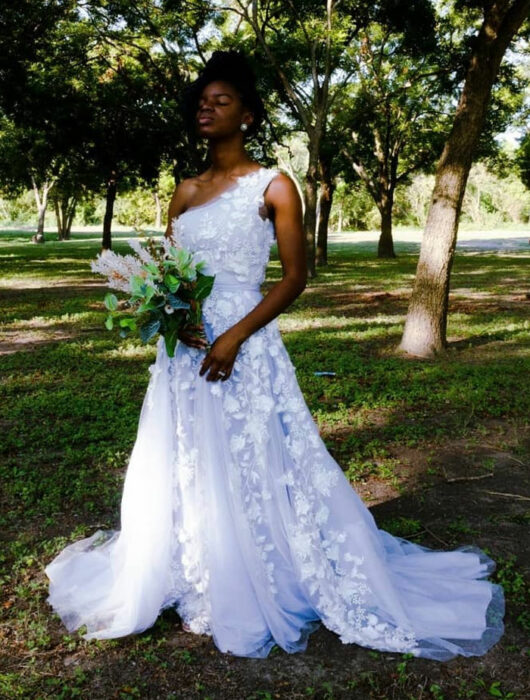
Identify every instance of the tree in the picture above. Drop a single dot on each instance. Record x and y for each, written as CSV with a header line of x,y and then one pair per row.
x,y
395,108
426,323
92,101
34,130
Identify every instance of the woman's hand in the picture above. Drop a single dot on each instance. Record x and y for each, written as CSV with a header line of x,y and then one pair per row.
x,y
221,357
190,335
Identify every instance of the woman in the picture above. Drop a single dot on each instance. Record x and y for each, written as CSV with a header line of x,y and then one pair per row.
x,y
233,512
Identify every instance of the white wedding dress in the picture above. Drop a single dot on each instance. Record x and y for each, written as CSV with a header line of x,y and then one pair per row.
x,y
234,513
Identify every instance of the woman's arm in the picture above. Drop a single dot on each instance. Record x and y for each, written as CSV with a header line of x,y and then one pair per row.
x,y
283,200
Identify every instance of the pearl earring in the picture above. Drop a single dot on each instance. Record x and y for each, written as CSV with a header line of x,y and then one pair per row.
x,y
243,127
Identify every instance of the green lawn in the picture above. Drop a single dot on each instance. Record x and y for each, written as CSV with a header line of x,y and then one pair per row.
x,y
424,442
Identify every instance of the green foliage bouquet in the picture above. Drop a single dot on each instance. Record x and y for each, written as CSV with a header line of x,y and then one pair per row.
x,y
166,287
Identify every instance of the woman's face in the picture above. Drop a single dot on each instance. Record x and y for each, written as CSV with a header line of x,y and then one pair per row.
x,y
220,111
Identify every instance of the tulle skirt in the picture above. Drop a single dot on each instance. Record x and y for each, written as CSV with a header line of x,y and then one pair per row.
x,y
234,513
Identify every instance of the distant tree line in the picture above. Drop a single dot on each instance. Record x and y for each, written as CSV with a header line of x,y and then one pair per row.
x,y
491,200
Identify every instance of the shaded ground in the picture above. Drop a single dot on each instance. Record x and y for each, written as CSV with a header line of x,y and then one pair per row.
x,y
445,468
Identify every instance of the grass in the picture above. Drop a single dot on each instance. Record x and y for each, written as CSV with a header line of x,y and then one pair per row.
x,y
71,393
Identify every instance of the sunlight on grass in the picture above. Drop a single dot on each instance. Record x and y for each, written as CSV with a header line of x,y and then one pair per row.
x,y
131,351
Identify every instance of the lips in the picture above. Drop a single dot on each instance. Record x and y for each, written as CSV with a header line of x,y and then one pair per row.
x,y
205,120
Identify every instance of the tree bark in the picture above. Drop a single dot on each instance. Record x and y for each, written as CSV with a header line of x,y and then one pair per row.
x,y
42,204
385,246
109,212
64,213
426,324
325,202
310,196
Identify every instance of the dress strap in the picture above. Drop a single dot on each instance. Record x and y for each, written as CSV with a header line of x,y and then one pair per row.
x,y
264,181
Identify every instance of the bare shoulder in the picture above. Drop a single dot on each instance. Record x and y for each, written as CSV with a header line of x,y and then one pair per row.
x,y
182,193
282,191
185,188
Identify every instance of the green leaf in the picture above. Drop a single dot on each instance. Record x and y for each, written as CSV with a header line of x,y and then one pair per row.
x,y
138,286
188,273
147,306
152,268
111,301
170,340
171,282
176,302
109,323
149,293
203,287
128,323
149,329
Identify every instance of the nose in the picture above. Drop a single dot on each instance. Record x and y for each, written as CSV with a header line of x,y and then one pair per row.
x,y
205,106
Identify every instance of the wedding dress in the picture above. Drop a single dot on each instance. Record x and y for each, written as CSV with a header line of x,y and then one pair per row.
x,y
234,513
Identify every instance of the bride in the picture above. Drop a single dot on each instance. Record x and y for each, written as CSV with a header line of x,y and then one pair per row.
x,y
233,512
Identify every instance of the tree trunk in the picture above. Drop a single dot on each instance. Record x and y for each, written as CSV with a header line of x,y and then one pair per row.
x,y
42,203
325,201
310,196
385,246
64,213
109,212
70,218
40,224
426,324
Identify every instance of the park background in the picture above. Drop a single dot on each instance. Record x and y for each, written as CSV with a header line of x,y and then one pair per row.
x,y
363,101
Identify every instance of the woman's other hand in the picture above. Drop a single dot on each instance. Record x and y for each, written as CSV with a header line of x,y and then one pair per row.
x,y
221,356
191,335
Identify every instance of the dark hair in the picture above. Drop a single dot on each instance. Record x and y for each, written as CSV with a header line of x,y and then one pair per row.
x,y
231,66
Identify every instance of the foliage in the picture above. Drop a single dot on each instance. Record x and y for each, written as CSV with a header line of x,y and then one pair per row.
x,y
523,160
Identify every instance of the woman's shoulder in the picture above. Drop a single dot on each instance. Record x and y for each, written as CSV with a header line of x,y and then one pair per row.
x,y
280,182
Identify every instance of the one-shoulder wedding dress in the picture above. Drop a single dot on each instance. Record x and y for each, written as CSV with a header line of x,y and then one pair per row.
x,y
234,513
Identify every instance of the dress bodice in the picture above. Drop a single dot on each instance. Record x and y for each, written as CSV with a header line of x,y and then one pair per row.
x,y
229,233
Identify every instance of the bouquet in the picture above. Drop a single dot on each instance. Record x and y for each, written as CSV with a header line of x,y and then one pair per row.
x,y
166,287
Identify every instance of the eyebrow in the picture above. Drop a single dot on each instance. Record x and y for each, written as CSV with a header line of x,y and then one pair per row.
x,y
218,94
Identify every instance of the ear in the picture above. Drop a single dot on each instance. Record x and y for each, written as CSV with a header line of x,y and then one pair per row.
x,y
248,117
